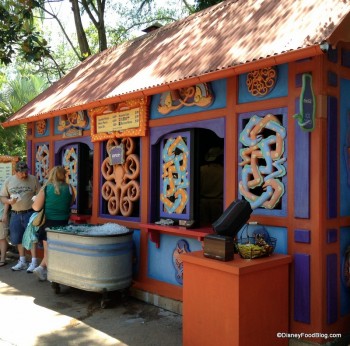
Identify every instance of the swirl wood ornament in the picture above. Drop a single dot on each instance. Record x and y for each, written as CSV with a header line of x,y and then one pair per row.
x,y
41,126
121,189
261,82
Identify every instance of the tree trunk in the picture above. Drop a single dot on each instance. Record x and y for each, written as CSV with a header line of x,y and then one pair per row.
x,y
82,40
102,38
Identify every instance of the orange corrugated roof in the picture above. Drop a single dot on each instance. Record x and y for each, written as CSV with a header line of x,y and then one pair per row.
x,y
220,41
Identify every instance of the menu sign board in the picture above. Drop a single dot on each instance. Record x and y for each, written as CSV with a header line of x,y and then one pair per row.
x,y
5,171
118,121
7,164
128,119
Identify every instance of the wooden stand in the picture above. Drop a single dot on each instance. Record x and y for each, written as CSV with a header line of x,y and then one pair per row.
x,y
236,303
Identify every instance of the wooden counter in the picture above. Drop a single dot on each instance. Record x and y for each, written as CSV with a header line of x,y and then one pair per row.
x,y
155,231
235,303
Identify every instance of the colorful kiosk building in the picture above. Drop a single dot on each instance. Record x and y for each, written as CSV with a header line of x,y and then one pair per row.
x,y
269,83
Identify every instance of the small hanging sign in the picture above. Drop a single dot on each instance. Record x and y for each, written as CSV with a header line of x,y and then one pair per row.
x,y
117,155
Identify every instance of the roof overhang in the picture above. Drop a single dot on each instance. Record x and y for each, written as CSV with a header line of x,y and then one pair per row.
x,y
284,58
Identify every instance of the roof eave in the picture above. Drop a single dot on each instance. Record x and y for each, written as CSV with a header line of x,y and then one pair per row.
x,y
245,67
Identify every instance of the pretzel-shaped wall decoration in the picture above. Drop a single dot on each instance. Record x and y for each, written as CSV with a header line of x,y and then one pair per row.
x,y
262,161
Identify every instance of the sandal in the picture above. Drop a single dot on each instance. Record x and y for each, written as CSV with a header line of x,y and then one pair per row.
x,y
2,264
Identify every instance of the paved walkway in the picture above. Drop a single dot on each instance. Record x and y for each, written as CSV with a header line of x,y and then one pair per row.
x,y
33,314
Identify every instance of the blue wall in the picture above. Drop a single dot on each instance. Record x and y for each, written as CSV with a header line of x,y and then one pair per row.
x,y
219,90
160,261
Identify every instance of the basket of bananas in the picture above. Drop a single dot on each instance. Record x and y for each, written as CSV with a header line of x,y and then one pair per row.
x,y
255,245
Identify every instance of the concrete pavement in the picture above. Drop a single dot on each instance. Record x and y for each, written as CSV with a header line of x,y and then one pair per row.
x,y
33,314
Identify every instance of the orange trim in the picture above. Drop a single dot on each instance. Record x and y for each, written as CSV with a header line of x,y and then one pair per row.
x,y
231,143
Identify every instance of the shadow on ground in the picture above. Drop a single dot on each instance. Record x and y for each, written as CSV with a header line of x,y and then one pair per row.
x,y
75,317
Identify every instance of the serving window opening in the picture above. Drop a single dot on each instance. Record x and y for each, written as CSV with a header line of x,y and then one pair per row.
x,y
77,159
189,171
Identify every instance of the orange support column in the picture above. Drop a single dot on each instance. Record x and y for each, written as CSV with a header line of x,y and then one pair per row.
x,y
235,303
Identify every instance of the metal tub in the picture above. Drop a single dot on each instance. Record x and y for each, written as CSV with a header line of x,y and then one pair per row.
x,y
92,262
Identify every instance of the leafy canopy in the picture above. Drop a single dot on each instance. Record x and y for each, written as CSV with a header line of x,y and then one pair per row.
x,y
15,94
18,33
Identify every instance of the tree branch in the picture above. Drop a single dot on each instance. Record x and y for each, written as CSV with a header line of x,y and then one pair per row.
x,y
63,30
188,6
87,9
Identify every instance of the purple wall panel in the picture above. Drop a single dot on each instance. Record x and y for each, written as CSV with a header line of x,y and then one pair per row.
x,y
332,235
345,57
29,156
332,55
332,79
301,171
332,296
302,236
302,288
332,167
299,79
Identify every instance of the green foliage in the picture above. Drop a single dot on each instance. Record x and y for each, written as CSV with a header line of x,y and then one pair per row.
x,y
202,4
13,142
18,32
14,95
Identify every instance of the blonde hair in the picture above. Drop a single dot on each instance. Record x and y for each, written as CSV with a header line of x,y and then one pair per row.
x,y
56,177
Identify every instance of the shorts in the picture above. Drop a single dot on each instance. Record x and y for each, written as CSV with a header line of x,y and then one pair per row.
x,y
18,224
42,234
4,230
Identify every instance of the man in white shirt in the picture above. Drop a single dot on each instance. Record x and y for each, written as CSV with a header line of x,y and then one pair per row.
x,y
17,192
